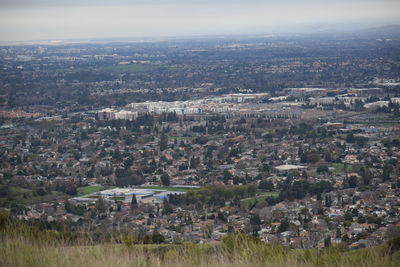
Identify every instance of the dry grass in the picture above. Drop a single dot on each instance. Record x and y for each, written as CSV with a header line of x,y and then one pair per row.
x,y
21,251
23,245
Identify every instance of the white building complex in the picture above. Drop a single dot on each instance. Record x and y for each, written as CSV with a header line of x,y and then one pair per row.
x,y
224,104
112,114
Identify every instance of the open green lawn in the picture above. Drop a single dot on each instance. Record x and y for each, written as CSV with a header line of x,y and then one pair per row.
x,y
260,196
22,196
85,190
168,188
340,167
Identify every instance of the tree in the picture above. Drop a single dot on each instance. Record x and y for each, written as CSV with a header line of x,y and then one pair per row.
x,y
358,104
167,208
323,169
235,202
265,168
221,216
100,205
165,179
313,157
157,238
194,162
41,192
350,138
128,162
361,219
128,177
284,226
255,219
227,175
328,201
353,181
134,202
91,171
71,190
163,143
68,206
328,157
4,191
387,169
327,241
348,216
365,175
272,200
303,158
116,155
338,233
266,185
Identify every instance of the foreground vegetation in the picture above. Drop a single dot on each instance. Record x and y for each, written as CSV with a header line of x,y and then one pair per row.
x,y
24,245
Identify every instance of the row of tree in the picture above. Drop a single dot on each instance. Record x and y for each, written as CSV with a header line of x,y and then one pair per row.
x,y
216,195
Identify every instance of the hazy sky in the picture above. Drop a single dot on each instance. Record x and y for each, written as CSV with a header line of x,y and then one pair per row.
x,y
66,19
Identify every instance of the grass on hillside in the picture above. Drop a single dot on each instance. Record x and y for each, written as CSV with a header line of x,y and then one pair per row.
x,y
260,196
86,190
22,196
236,250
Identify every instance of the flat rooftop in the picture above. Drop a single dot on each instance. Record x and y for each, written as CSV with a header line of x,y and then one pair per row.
x,y
288,167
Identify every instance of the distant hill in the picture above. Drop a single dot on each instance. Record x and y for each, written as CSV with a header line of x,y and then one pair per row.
x,y
389,31
381,32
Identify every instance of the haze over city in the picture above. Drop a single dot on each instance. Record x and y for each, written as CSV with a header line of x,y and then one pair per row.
x,y
42,19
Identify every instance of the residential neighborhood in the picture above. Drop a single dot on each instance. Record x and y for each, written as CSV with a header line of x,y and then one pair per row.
x,y
317,175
